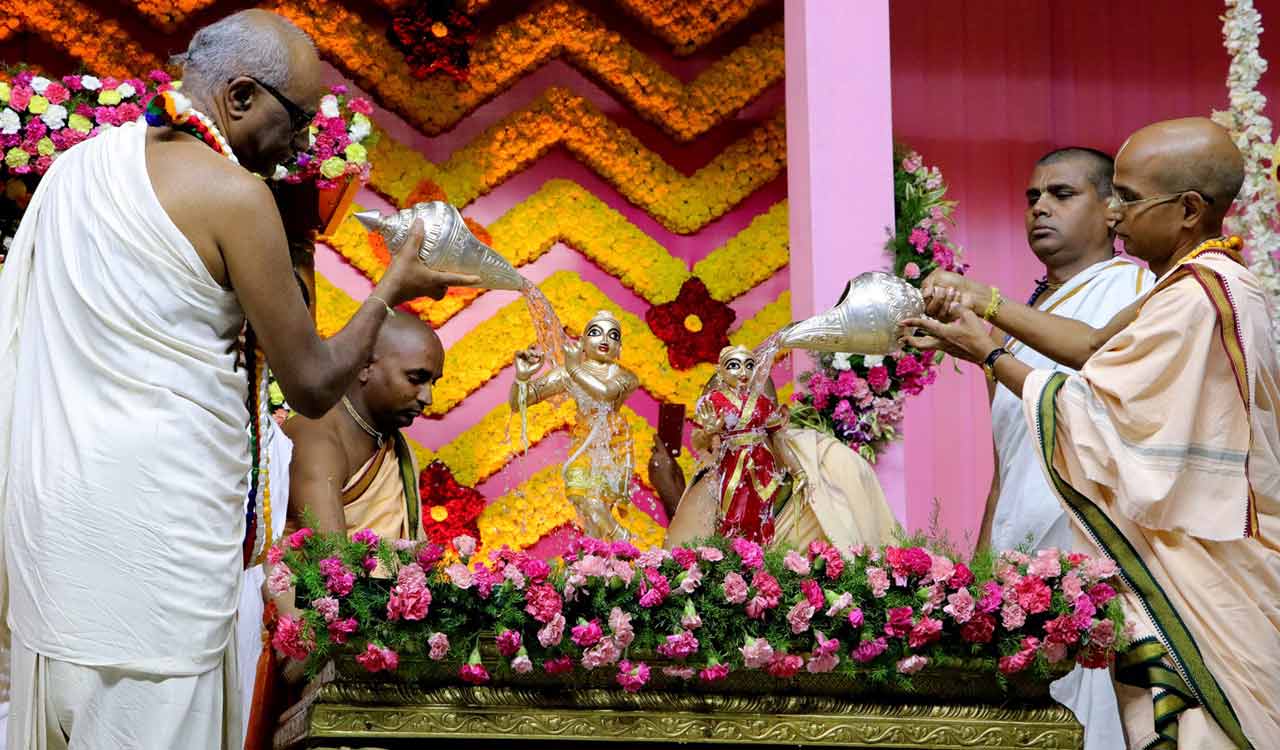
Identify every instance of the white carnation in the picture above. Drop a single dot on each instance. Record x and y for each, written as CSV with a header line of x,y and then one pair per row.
x,y
360,129
873,360
126,90
39,84
90,83
55,116
9,122
329,106
841,361
280,173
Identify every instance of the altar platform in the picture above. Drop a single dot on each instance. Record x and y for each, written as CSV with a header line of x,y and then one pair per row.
x,y
946,708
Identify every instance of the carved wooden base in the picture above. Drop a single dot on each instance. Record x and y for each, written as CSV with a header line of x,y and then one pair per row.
x,y
341,714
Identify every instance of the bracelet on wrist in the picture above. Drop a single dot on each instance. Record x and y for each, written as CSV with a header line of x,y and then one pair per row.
x,y
993,306
988,364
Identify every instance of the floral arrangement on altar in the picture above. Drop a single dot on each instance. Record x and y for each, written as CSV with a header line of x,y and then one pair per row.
x,y
42,117
694,613
340,136
860,399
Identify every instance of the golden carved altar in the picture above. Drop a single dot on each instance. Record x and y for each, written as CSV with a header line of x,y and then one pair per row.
x,y
947,708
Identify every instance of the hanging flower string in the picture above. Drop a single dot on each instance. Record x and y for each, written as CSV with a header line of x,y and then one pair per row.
x,y
173,109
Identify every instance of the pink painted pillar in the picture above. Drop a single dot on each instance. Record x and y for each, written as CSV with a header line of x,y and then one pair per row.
x,y
840,160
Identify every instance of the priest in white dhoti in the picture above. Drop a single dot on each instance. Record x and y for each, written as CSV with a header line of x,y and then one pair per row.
x,y
1066,223
123,419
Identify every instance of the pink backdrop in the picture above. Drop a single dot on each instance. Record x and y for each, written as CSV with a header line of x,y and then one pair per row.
x,y
984,87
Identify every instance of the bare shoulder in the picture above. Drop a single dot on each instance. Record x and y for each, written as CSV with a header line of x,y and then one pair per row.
x,y
315,439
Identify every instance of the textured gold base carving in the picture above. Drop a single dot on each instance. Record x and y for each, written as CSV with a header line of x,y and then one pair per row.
x,y
342,714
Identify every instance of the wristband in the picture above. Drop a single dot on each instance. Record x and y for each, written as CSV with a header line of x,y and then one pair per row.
x,y
989,363
993,306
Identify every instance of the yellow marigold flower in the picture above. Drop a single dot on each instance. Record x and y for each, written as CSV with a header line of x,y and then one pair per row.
x,y
38,105
16,157
79,123
45,147
356,154
333,167
109,98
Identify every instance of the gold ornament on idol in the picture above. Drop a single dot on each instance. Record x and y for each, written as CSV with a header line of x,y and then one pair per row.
x,y
597,473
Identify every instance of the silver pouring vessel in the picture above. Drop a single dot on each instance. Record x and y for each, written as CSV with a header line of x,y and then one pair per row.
x,y
864,321
447,244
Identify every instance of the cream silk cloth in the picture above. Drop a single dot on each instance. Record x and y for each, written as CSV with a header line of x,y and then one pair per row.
x,y
1027,512
374,498
123,430
845,505
1168,464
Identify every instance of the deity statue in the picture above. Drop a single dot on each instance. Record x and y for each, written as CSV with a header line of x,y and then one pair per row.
x,y
757,474
597,473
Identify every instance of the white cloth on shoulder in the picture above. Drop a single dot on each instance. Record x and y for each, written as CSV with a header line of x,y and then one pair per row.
x,y
123,426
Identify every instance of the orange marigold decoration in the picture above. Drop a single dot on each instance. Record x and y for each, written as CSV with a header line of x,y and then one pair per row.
x,y
694,326
689,25
449,509
425,192
434,37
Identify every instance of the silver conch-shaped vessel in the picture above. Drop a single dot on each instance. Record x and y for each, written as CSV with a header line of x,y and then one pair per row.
x,y
448,245
864,321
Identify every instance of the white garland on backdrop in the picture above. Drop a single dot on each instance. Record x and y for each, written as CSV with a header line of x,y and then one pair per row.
x,y
1255,217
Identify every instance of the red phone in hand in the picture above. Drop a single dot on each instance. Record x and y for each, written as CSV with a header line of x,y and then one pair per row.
x,y
671,426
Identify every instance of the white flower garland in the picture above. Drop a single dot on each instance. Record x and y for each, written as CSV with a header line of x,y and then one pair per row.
x,y
1254,219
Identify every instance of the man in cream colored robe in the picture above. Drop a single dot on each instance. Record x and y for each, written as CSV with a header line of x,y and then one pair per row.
x,y
1165,448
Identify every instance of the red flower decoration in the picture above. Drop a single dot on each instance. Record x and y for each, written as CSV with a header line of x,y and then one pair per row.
x,y
434,37
694,326
449,509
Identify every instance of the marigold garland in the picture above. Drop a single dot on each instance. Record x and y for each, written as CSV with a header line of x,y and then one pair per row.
x,y
559,117
108,51
689,25
517,48
563,211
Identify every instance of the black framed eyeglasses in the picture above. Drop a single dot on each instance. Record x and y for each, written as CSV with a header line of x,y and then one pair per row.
x,y
299,118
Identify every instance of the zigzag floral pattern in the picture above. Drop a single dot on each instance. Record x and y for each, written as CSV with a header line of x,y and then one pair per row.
x,y
563,211
559,117
489,347
559,28
108,51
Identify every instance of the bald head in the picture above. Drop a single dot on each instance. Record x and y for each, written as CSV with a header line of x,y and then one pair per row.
x,y
407,360
249,43
1191,154
402,333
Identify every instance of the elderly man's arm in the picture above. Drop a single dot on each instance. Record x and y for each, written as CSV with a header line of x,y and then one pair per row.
x,y
313,373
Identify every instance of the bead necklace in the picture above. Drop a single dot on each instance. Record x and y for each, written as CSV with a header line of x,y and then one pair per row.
x,y
360,421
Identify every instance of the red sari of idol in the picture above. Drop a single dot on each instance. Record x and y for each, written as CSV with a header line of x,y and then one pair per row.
x,y
750,476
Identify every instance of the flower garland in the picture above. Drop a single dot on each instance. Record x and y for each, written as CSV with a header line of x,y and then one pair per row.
x,y
860,399
688,26
547,31
699,612
563,211
42,117
173,109
559,117
340,136
108,50
434,36
1253,217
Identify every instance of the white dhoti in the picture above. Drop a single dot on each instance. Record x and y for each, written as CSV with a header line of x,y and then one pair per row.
x,y
1028,513
123,463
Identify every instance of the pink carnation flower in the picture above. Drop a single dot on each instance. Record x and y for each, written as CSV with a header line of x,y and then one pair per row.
x,y
280,580
465,544
587,633
475,674
299,538
812,591
757,653
558,665
1012,616
620,626
899,622
327,607
632,675
941,568
340,629
684,557
868,650
878,378
542,602
960,606
366,537
680,673
605,652
1099,569
925,632
785,666
1045,564
679,646
522,664
710,554
553,632
509,643
796,563
439,643
291,638
992,597
912,664
378,659
1033,595
460,575
840,604
1072,586
1101,594
751,553
653,589
410,597
1021,660
878,580
855,617
714,673
911,270
1103,634
735,588
361,105
275,555
799,616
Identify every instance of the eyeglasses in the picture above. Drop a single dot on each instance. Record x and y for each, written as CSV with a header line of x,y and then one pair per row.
x,y
1122,206
299,118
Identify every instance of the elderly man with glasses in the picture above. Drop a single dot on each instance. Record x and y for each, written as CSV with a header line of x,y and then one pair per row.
x,y
1165,448
124,440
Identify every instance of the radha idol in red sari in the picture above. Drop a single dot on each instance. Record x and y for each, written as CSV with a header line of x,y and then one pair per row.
x,y
753,482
